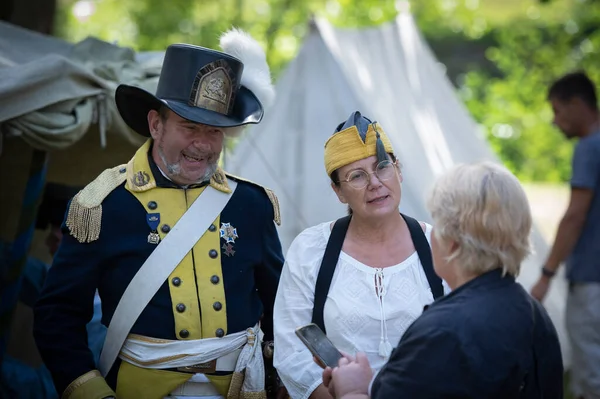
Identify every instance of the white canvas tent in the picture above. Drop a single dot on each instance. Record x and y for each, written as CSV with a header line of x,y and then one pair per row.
x,y
391,76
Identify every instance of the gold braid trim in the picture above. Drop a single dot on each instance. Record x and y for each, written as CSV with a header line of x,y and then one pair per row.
x,y
253,395
80,381
236,392
235,388
275,202
270,194
84,217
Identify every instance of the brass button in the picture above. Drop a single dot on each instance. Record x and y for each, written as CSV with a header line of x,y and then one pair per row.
x,y
212,228
152,205
215,279
217,306
180,307
213,253
176,281
184,333
219,333
165,228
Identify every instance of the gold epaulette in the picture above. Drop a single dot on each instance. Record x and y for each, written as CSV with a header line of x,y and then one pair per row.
x,y
85,212
270,194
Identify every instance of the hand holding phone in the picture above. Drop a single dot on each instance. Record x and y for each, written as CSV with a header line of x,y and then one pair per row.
x,y
319,345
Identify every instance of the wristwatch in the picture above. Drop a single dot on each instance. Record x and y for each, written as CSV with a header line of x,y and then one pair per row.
x,y
547,272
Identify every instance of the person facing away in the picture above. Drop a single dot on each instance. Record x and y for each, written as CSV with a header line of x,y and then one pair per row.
x,y
380,283
575,106
487,338
198,334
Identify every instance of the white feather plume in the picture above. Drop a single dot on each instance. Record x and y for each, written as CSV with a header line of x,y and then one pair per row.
x,y
257,75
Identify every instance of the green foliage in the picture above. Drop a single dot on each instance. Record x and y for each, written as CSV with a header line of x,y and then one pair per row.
x,y
532,43
530,54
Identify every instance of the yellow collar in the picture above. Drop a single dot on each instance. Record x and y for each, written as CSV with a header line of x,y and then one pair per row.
x,y
140,177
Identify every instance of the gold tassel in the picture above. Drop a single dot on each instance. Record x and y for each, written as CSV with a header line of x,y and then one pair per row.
x,y
235,389
84,223
254,395
84,218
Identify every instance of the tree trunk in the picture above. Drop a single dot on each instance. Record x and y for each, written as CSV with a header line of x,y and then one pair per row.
x,y
36,15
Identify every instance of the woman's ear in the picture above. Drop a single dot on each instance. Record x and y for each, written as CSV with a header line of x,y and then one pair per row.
x,y
452,247
338,191
400,177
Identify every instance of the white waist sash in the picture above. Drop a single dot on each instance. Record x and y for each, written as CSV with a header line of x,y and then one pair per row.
x,y
161,354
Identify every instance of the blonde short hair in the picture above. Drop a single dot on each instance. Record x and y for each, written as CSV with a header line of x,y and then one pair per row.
x,y
483,208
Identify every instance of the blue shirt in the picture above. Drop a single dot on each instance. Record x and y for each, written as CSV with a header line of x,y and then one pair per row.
x,y
583,264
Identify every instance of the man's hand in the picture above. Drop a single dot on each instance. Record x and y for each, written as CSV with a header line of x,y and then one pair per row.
x,y
540,289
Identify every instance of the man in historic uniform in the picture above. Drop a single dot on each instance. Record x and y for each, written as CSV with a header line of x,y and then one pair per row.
x,y
186,257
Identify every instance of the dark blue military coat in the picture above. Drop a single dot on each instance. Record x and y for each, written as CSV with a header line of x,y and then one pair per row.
x,y
486,340
224,285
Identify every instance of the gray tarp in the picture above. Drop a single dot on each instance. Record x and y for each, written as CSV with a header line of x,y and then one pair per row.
x,y
52,91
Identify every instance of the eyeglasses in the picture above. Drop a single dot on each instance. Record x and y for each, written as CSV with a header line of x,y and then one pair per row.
x,y
360,178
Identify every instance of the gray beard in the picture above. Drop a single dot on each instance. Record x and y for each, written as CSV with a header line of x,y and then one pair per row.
x,y
174,169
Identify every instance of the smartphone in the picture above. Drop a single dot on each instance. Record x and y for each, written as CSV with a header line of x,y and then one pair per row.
x,y
319,345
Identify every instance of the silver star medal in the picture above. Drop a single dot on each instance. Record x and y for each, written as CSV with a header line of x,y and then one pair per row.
x,y
228,232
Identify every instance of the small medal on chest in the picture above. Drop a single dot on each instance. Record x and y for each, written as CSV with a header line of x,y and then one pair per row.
x,y
229,234
153,220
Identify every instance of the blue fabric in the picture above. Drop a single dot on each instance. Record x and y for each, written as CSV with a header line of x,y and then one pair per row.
x,y
477,342
34,275
250,279
13,255
9,294
22,381
356,119
583,265
96,330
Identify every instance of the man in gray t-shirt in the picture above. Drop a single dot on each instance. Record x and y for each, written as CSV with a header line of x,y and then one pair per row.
x,y
574,102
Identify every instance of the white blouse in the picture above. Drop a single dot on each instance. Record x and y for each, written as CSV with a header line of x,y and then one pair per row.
x,y
367,309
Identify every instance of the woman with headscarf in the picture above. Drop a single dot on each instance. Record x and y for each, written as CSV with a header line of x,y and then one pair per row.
x,y
487,339
363,278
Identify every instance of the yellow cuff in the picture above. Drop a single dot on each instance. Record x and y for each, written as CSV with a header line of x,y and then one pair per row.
x,y
91,385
